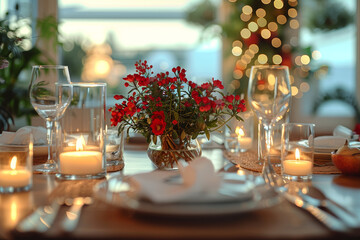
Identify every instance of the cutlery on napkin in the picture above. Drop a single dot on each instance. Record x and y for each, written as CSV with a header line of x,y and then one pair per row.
x,y
21,136
198,183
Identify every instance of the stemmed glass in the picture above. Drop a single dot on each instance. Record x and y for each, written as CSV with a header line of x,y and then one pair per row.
x,y
50,94
269,95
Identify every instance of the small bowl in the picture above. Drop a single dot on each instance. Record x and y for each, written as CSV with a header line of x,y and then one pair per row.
x,y
347,164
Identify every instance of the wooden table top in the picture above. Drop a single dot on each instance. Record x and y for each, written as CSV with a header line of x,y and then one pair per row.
x,y
103,221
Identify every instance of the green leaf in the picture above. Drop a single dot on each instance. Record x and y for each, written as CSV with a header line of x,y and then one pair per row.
x,y
207,133
183,135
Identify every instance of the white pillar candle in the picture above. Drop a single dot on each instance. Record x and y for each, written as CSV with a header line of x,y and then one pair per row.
x,y
81,162
13,177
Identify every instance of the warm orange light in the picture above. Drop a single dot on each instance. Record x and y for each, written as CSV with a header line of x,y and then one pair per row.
x,y
297,154
13,163
80,143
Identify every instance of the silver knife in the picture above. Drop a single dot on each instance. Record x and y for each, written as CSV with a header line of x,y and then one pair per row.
x,y
328,220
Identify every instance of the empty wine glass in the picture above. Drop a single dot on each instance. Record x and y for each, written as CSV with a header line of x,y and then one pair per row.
x,y
50,94
269,96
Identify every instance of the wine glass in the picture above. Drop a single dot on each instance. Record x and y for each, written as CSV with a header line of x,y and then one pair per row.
x,y
269,95
50,94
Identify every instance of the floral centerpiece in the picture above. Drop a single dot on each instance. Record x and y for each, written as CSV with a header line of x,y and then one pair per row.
x,y
171,111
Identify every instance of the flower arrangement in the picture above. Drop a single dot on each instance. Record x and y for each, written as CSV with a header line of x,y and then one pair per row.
x,y
173,108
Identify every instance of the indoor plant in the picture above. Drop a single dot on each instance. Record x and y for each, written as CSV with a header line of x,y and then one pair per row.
x,y
172,111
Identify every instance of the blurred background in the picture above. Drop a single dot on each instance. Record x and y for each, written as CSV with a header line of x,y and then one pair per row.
x,y
101,40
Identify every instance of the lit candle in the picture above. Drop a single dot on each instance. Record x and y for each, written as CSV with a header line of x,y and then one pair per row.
x,y
15,177
244,142
297,167
81,162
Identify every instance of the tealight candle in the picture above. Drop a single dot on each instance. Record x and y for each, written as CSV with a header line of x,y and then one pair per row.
x,y
297,166
244,141
14,177
81,162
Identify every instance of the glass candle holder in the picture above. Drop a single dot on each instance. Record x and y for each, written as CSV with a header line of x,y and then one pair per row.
x,y
114,149
239,138
297,151
80,142
16,167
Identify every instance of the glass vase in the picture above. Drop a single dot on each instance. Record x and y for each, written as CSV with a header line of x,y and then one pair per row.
x,y
167,152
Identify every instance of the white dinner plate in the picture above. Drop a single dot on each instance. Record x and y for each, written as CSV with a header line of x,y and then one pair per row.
x,y
117,192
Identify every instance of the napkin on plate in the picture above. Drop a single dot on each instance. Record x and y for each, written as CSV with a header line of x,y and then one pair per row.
x,y
329,142
198,183
343,131
21,136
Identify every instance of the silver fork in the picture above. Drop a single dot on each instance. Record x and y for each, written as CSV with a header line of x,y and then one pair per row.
x,y
348,218
278,184
42,218
73,215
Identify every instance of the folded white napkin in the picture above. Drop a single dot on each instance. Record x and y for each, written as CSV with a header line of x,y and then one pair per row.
x,y
342,131
331,142
21,136
198,183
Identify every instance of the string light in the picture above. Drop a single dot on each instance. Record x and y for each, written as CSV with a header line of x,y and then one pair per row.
x,y
260,13
294,90
278,4
292,12
237,43
236,51
276,42
247,10
261,22
272,26
305,59
253,26
316,55
245,33
265,33
281,19
294,24
277,59
262,58
244,17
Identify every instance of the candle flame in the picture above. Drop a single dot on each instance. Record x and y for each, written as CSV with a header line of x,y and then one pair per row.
x,y
80,143
297,154
239,131
13,163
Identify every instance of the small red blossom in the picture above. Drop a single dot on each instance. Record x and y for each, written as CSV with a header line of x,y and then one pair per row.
x,y
118,97
174,122
158,126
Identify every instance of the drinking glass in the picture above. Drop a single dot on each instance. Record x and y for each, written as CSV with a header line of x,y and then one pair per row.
x,y
269,96
50,94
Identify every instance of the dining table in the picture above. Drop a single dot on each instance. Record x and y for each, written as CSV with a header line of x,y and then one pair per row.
x,y
103,220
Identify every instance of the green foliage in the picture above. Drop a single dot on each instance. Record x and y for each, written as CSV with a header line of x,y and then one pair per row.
x,y
14,98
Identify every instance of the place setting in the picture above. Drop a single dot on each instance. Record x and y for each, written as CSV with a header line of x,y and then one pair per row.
x,y
179,120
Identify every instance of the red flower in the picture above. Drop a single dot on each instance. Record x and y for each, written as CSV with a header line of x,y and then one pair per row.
x,y
158,115
118,97
237,97
126,84
130,78
130,109
205,86
229,98
158,126
230,107
218,83
174,122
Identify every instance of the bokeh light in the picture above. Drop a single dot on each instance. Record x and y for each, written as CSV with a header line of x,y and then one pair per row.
x,y
277,59
247,9
245,33
276,42
294,24
262,58
292,13
253,26
281,19
316,55
305,59
272,26
265,33
261,22
260,13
